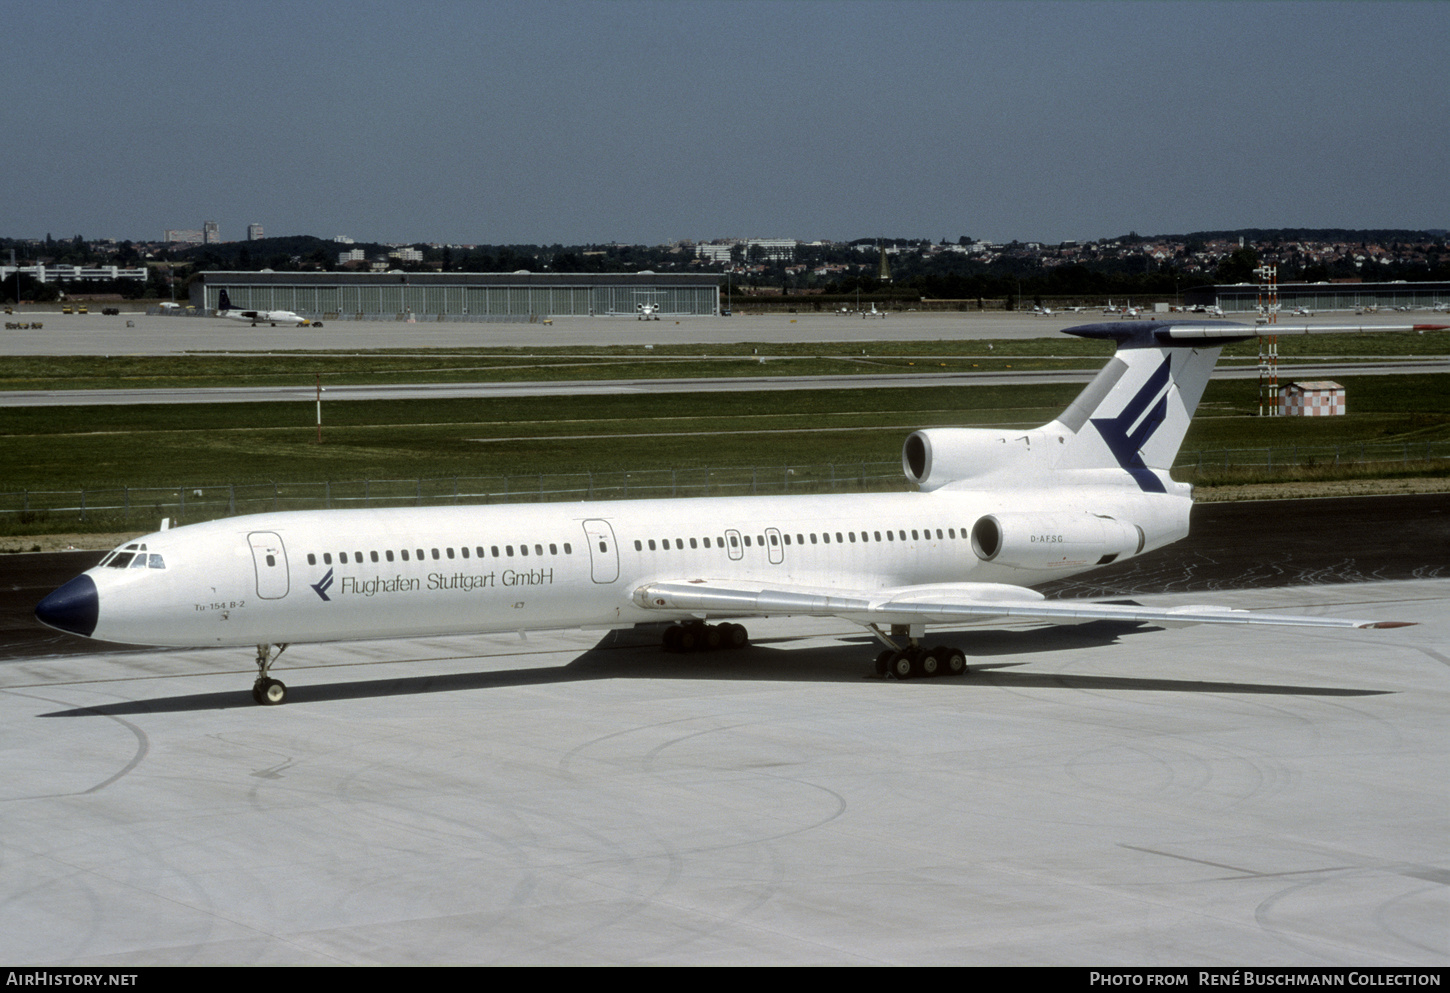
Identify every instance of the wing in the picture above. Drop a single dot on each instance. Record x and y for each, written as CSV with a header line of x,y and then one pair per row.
x,y
943,604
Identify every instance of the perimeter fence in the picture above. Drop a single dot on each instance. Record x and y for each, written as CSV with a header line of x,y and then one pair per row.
x,y
191,504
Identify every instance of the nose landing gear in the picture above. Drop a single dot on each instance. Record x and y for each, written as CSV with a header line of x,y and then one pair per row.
x,y
266,690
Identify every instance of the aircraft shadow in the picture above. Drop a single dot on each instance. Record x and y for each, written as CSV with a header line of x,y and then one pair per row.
x,y
631,655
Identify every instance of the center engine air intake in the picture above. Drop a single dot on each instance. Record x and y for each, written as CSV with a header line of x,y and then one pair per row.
x,y
1054,541
933,457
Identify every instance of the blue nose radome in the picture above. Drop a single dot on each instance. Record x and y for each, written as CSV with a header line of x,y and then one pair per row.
x,y
73,608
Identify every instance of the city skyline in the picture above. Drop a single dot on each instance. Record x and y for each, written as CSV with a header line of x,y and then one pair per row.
x,y
649,123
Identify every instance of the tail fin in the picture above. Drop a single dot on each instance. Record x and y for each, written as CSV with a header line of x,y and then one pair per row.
x,y
224,302
1135,413
1132,416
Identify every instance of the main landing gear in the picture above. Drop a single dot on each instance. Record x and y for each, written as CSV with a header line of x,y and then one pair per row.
x,y
697,636
266,690
913,661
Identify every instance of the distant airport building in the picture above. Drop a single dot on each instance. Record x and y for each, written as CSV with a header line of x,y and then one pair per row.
x,y
74,274
1240,298
460,295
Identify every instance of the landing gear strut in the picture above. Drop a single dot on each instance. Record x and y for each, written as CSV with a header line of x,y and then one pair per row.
x,y
266,690
697,636
911,660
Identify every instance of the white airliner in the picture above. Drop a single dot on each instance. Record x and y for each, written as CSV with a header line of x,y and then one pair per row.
x,y
997,511
873,312
648,311
272,317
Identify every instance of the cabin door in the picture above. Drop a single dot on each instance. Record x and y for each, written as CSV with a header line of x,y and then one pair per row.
x,y
270,560
603,555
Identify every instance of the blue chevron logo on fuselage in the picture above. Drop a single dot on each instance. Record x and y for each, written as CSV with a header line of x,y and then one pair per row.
x,y
321,588
1126,442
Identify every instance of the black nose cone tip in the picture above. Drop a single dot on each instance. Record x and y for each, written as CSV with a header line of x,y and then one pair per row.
x,y
73,608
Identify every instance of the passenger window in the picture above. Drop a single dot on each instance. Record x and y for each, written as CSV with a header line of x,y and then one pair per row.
x,y
463,551
450,553
479,551
813,537
311,559
773,540
707,542
327,558
404,553
638,546
494,549
523,549
553,549
342,558
435,555
141,561
747,541
538,549
878,535
568,550
388,554
509,549
373,556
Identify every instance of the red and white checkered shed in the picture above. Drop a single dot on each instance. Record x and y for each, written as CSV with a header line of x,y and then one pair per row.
x,y
1322,399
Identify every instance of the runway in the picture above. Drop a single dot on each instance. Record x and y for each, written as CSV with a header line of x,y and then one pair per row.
x,y
96,334
1099,795
616,387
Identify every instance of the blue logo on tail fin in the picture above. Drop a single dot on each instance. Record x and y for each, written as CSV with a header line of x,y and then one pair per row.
x,y
1127,447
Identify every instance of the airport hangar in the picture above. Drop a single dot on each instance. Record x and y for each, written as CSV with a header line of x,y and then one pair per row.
x,y
460,296
1239,298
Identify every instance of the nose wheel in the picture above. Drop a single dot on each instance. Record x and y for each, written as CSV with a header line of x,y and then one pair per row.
x,y
268,691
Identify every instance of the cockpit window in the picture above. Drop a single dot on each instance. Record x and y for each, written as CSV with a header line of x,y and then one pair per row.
x,y
133,556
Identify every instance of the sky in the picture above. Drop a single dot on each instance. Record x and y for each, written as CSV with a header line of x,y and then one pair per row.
x,y
649,122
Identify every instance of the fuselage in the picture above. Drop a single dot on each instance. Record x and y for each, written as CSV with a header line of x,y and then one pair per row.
x,y
263,316
355,574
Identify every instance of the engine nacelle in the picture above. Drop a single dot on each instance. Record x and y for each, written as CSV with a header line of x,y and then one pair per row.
x,y
1054,541
933,457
